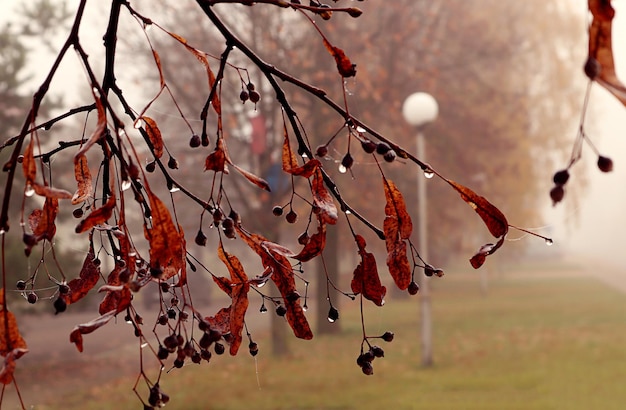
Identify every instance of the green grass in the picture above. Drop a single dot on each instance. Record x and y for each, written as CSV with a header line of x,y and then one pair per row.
x,y
529,344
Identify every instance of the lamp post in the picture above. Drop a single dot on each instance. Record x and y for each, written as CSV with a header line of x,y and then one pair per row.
x,y
418,110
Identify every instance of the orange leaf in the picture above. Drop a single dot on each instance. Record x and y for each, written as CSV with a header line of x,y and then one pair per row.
x,y
76,336
10,336
154,135
344,65
282,275
260,182
224,283
157,61
51,192
290,161
83,178
167,250
492,217
479,258
221,321
28,164
314,246
89,276
216,161
601,49
365,279
238,310
398,264
42,222
8,367
237,274
98,216
397,216
201,56
118,296
322,201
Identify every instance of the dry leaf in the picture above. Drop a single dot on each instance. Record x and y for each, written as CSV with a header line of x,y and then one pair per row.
x,y
98,216
76,336
83,179
154,135
344,65
365,279
314,246
323,203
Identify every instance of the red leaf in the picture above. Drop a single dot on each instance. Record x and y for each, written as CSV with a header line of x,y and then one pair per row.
x,y
76,336
10,336
400,224
8,366
344,65
83,178
118,296
235,268
282,275
216,161
323,203
238,310
314,246
51,192
89,276
167,250
479,258
398,264
290,161
224,283
154,135
42,222
365,279
601,49
493,218
221,321
98,216
260,182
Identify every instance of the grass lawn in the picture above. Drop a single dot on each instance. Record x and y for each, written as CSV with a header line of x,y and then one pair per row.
x,y
533,343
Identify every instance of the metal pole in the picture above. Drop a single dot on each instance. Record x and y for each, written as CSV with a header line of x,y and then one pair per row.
x,y
423,281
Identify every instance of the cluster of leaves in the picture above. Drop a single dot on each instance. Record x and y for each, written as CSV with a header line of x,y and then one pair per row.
x,y
106,205
599,68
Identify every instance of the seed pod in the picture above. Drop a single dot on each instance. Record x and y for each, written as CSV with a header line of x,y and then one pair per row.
x,y
321,151
195,141
605,164
561,177
347,161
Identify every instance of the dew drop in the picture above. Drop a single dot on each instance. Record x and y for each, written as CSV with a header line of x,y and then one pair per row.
x,y
348,212
139,123
305,307
172,188
2,231
143,345
428,173
549,242
304,155
331,320
96,92
342,169
263,309
126,185
30,191
260,284
360,129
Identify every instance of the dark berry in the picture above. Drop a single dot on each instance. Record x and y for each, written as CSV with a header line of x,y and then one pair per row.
x,y
254,348
277,210
200,238
255,97
228,223
32,298
429,270
303,239
557,193
377,351
219,348
205,341
293,296
561,177
178,363
347,161
387,336
382,148
205,354
196,358
163,320
151,166
413,288
195,141
333,314
172,163
291,217
60,305
367,369
171,313
321,151
605,164
20,285
281,310
250,86
592,68
165,287
205,140
390,156
78,213
162,353
368,146
244,96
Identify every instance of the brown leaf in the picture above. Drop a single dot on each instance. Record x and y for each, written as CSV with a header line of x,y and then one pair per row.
x,y
8,366
235,268
83,179
238,310
224,283
283,277
10,336
154,135
601,49
157,61
118,296
479,258
344,65
322,201
98,132
365,279
167,251
290,161
28,164
76,336
395,209
398,264
42,222
260,182
202,57
493,218
51,192
216,161
89,276
98,216
314,246
221,321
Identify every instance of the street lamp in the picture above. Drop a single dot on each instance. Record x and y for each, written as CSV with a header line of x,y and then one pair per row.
x,y
418,110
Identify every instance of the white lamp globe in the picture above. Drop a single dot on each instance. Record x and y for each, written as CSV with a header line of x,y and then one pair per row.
x,y
420,108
